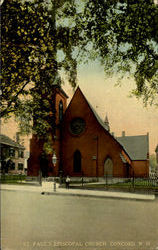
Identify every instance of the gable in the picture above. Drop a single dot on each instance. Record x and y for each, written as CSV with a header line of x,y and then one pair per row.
x,y
78,94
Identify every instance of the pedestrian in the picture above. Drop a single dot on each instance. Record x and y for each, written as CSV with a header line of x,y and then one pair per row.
x,y
67,182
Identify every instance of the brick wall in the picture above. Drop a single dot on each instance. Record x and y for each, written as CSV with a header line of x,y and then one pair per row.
x,y
86,143
141,168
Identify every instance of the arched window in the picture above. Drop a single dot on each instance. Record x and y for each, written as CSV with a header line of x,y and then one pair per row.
x,y
77,161
60,111
108,167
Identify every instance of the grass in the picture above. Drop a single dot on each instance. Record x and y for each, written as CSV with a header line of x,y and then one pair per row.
x,y
140,184
12,179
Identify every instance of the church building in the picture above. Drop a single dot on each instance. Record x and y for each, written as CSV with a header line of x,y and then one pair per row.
x,y
84,146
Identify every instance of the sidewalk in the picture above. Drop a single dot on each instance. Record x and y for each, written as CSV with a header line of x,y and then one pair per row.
x,y
48,188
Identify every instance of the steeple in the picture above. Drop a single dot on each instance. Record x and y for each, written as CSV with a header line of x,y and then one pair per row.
x,y
106,121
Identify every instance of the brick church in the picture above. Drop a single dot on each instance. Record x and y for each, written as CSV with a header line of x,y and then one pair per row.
x,y
84,146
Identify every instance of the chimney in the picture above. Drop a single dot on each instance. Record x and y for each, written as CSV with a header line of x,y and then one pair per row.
x,y
123,133
17,137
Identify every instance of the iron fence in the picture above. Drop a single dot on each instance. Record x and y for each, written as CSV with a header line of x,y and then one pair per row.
x,y
117,183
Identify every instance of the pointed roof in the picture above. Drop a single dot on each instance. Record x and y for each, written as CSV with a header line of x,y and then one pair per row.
x,y
8,141
91,107
56,86
106,121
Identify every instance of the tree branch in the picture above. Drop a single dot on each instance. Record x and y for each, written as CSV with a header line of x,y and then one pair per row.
x,y
13,100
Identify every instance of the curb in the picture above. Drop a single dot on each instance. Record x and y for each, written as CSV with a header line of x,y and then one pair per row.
x,y
98,196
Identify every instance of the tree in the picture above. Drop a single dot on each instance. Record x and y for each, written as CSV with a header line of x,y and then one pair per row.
x,y
32,35
122,34
152,162
125,36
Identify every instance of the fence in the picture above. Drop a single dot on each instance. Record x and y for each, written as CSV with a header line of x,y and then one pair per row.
x,y
104,183
117,183
134,182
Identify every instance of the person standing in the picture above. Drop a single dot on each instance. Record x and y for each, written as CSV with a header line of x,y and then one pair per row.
x,y
67,182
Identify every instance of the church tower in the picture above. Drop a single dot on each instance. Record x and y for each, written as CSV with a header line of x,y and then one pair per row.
x,y
40,161
106,122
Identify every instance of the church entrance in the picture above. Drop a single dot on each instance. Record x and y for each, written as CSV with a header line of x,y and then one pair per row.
x,y
77,162
44,165
108,167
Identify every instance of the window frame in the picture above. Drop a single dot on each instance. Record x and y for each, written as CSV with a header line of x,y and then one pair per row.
x,y
20,164
77,158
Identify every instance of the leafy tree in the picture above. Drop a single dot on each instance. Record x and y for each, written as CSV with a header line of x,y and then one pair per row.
x,y
152,162
122,34
125,36
32,34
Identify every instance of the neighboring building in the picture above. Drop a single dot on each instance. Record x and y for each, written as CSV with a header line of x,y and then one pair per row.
x,y
12,155
138,150
84,145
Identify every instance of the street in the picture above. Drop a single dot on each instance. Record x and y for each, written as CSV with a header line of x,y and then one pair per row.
x,y
30,220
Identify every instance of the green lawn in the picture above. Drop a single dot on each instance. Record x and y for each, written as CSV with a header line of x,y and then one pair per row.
x,y
12,179
138,184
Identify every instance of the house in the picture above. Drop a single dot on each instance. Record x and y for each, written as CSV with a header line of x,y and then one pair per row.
x,y
12,155
84,145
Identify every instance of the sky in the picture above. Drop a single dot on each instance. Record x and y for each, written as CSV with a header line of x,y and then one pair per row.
x,y
124,113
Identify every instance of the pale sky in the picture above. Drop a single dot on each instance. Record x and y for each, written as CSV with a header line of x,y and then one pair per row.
x,y
124,113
